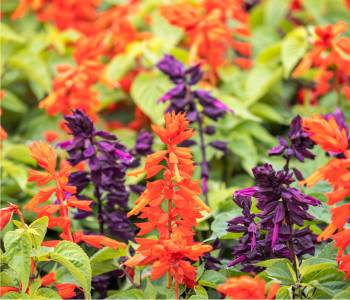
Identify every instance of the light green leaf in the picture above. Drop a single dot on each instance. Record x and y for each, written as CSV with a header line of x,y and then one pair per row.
x,y
284,293
279,269
343,294
219,225
294,47
46,293
129,294
12,103
8,34
37,230
15,295
17,172
211,279
146,90
34,68
275,11
19,152
259,81
105,260
150,290
201,292
75,260
267,112
7,278
163,29
18,248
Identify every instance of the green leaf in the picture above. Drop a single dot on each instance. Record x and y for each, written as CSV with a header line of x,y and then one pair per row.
x,y
75,260
219,225
244,147
211,279
37,230
343,294
280,270
284,292
17,172
20,153
266,112
105,260
18,248
260,80
201,292
46,293
8,34
161,28
15,295
129,294
7,278
275,11
150,290
12,103
119,66
328,251
146,90
34,68
294,47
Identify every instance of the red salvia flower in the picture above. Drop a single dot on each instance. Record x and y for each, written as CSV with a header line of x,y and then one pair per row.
x,y
246,287
58,212
6,214
330,57
174,249
331,135
209,36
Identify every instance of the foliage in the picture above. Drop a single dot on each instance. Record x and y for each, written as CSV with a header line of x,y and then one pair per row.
x,y
83,83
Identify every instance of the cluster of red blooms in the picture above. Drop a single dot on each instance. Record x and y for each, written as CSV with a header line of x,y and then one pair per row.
x,y
209,35
333,138
330,56
103,34
174,249
57,212
246,287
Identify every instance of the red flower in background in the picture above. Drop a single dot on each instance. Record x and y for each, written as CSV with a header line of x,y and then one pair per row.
x,y
330,57
246,287
209,36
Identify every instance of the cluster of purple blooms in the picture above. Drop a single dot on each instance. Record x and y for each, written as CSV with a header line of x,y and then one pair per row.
x,y
196,103
270,233
107,160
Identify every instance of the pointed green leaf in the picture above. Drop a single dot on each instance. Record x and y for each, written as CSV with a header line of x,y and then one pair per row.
x,y
75,260
18,248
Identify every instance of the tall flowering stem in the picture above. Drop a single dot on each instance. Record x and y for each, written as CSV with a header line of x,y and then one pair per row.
x,y
270,233
56,201
175,248
331,133
196,103
107,160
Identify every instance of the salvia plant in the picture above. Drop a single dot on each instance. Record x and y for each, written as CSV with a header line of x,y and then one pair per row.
x,y
175,149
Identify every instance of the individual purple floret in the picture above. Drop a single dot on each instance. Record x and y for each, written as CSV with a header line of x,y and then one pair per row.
x,y
299,143
107,160
196,103
211,262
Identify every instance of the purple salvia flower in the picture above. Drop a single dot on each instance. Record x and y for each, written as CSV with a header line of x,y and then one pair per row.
x,y
108,160
183,98
299,143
